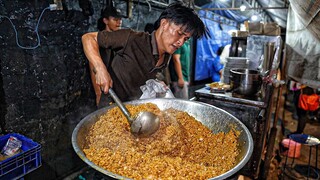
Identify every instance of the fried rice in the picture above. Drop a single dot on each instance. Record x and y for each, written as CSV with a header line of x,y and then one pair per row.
x,y
182,148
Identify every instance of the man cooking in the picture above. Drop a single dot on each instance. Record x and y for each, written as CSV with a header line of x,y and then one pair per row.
x,y
110,20
139,56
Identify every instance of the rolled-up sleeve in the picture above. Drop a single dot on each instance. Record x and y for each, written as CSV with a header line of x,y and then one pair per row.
x,y
102,38
113,40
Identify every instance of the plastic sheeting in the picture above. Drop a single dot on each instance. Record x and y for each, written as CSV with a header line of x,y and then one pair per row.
x,y
302,42
207,48
255,48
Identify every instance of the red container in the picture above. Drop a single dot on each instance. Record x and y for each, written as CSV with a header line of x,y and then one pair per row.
x,y
293,148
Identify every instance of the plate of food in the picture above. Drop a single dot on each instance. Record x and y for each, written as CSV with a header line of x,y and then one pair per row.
x,y
217,87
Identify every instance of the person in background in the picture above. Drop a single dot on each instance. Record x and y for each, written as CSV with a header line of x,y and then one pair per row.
x,y
223,59
295,88
216,66
180,71
140,56
301,113
110,20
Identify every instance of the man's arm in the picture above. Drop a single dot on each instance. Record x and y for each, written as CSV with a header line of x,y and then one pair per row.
x,y
178,69
91,50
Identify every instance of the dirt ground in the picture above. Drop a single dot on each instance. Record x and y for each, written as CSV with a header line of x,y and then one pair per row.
x,y
305,166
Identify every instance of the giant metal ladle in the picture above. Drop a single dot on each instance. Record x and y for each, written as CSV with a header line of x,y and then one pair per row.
x,y
144,124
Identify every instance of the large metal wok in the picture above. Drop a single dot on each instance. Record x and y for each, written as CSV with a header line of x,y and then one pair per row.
x,y
214,118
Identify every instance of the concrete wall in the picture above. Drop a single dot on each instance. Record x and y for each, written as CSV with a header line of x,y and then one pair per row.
x,y
45,91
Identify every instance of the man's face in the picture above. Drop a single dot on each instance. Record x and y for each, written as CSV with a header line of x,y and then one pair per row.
x,y
112,23
172,36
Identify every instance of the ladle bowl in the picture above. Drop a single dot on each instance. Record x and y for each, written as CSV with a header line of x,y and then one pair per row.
x,y
144,124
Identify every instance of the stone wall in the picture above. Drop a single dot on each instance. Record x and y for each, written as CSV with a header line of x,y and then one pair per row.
x,y
46,90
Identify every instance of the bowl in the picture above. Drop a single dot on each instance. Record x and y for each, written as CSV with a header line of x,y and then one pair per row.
x,y
216,119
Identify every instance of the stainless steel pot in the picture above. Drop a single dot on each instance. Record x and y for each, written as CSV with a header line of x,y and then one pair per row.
x,y
214,118
244,81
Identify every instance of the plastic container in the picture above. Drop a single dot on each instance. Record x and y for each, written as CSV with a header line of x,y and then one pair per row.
x,y
20,164
293,148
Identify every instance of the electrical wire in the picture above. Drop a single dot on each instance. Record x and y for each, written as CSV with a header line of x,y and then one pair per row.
x,y
36,31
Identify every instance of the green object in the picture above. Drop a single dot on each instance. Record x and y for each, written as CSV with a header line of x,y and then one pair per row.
x,y
184,52
81,177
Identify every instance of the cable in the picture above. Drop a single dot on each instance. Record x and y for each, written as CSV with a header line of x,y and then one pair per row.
x,y
36,31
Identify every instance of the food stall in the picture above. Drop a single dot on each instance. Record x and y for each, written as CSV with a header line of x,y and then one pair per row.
x,y
246,90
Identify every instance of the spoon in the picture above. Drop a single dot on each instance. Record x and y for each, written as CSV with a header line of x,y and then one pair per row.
x,y
144,124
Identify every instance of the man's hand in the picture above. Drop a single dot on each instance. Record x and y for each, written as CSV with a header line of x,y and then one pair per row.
x,y
180,82
103,78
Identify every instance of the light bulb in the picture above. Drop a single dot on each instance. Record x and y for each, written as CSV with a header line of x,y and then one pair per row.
x,y
243,7
254,18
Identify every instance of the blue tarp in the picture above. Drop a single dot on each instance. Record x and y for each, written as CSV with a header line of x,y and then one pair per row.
x,y
206,48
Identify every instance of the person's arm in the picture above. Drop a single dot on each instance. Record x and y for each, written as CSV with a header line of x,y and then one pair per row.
x,y
96,87
178,69
91,50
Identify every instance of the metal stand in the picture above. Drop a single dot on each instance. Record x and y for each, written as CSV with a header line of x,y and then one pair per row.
x,y
312,172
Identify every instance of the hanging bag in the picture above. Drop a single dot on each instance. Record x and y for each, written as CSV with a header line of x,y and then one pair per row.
x,y
308,102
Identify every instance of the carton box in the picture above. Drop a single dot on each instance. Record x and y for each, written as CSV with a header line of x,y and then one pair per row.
x,y
255,28
271,29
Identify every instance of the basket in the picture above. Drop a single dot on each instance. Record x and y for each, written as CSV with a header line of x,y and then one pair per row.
x,y
22,163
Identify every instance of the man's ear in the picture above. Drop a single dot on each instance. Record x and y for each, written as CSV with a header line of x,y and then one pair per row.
x,y
105,21
164,23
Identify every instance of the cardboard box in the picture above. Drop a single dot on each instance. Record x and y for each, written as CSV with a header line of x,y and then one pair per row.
x,y
271,29
242,33
256,28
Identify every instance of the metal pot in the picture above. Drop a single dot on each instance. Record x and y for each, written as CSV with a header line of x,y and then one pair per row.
x,y
214,118
244,81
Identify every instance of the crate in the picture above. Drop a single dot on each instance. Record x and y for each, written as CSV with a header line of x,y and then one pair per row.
x,y
22,163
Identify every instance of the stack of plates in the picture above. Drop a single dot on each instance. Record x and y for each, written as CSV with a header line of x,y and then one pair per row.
x,y
233,62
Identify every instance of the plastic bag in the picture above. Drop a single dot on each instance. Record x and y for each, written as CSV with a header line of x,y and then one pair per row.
x,y
155,89
12,146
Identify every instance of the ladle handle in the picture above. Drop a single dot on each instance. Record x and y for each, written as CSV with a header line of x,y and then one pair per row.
x,y
121,105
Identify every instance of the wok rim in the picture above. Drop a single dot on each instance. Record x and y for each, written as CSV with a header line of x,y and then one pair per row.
x,y
246,157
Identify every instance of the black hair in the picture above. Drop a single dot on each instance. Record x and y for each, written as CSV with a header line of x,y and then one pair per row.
x,y
187,17
100,24
149,28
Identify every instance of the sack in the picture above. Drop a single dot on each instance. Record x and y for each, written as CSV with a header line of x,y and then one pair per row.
x,y
308,102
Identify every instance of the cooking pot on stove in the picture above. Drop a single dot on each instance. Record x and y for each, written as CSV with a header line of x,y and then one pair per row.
x,y
245,81
216,119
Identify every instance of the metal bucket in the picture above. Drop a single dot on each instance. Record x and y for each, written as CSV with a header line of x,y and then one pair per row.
x,y
244,81
214,118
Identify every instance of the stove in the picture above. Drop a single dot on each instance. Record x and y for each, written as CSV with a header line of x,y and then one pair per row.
x,y
255,100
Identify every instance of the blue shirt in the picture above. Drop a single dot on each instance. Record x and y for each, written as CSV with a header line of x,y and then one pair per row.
x,y
215,67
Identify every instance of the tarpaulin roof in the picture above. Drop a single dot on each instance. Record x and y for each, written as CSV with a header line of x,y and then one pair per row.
x,y
274,10
235,15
